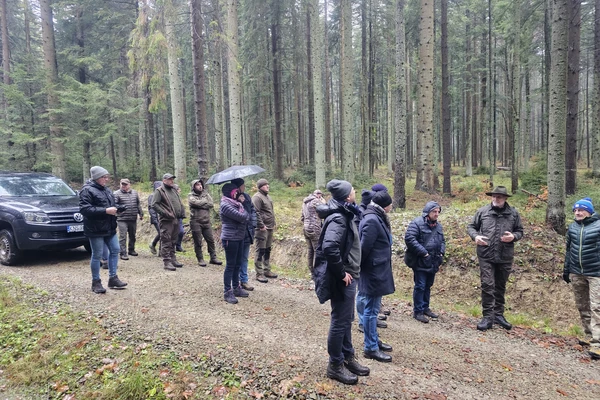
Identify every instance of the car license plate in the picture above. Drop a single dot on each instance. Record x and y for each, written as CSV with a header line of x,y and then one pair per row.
x,y
75,228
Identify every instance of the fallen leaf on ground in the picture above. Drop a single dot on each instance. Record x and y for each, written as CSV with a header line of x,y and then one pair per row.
x,y
562,392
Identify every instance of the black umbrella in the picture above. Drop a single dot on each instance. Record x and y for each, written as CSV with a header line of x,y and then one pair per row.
x,y
236,171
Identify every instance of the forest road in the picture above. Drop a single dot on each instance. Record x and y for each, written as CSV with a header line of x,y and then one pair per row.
x,y
277,337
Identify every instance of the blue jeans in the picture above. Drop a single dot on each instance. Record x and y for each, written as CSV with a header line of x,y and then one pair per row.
x,y
97,244
244,266
339,340
234,250
105,253
360,307
372,305
422,290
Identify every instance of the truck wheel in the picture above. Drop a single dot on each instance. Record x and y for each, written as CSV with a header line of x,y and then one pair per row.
x,y
9,253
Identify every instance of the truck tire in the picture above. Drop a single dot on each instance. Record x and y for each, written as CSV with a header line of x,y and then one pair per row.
x,y
9,253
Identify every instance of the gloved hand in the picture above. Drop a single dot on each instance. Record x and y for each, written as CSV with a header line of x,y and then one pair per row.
x,y
566,277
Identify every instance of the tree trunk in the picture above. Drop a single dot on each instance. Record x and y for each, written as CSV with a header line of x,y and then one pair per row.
x,y
235,89
516,96
346,90
400,117
219,99
57,145
317,50
86,150
5,50
468,100
572,97
555,211
277,101
596,101
311,88
328,104
446,133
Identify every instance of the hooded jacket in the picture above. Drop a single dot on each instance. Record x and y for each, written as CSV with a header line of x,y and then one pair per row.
x,y
376,278
94,199
200,206
583,247
423,238
492,222
310,218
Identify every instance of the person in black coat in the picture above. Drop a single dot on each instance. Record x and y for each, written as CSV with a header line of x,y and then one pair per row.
x,y
337,269
97,205
376,278
425,248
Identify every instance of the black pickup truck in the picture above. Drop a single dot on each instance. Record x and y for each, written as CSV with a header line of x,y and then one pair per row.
x,y
38,211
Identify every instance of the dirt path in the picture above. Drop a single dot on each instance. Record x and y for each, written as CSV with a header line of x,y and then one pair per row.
x,y
277,337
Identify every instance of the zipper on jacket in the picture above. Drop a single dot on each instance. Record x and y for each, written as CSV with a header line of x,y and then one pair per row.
x,y
581,246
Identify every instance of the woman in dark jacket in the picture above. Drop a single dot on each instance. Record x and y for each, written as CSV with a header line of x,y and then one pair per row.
x,y
234,219
425,248
376,278
582,266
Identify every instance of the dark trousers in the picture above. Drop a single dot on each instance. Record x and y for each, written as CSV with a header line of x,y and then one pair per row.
x,y
234,250
339,341
198,232
493,286
127,228
312,241
157,237
422,290
169,231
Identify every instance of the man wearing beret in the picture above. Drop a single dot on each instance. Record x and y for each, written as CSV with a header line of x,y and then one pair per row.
x,y
339,251
167,204
495,229
265,226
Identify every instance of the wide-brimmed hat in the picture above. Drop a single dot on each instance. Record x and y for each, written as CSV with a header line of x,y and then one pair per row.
x,y
499,190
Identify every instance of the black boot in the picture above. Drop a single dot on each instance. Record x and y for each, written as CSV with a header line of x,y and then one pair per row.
x,y
485,324
500,320
341,374
353,366
115,283
97,286
378,355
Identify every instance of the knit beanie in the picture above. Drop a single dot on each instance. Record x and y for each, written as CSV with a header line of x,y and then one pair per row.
x,y
584,204
228,190
261,182
378,187
366,197
97,172
340,190
237,182
382,199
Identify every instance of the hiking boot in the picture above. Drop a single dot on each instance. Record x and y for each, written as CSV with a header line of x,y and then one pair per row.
x,y
240,292
377,355
430,314
271,275
133,253
381,324
215,261
104,264
202,263
384,346
97,286
421,318
261,278
500,320
115,283
229,297
386,312
340,373
353,366
176,263
485,324
124,257
169,266
152,249
382,317
179,249
247,287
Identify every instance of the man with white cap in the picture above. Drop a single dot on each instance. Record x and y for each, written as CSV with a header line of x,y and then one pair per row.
x,y
99,210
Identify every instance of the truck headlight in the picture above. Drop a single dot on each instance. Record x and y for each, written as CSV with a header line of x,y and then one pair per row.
x,y
36,217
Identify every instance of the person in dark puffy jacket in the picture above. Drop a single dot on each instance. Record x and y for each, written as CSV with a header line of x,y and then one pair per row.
x,y
425,249
234,220
97,205
376,278
312,224
250,230
495,229
127,219
154,219
201,205
339,254
582,267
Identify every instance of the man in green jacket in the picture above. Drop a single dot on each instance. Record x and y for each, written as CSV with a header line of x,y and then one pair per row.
x,y
495,229
264,231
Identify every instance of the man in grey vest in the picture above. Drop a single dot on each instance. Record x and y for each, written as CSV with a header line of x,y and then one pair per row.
x,y
127,219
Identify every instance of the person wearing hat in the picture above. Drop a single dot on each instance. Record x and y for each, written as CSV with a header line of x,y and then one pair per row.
x,y
495,229
376,278
582,267
250,229
127,219
234,221
337,269
265,226
201,206
312,223
425,249
99,210
167,204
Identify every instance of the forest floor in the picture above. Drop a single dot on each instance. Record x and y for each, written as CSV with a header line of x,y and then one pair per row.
x,y
275,340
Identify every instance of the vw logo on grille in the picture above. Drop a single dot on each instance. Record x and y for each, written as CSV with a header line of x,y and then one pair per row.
x,y
78,217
